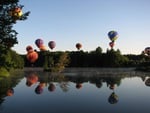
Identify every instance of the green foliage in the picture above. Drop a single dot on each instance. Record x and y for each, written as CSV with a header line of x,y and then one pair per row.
x,y
3,72
95,58
114,58
11,60
56,62
8,36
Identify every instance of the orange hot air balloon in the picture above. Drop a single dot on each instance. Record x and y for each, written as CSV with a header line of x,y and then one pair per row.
x,y
31,79
51,44
42,48
78,46
16,12
32,56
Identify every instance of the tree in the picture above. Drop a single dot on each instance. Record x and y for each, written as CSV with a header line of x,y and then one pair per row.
x,y
10,13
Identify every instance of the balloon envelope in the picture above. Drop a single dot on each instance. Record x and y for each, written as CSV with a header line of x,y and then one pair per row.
x,y
78,46
39,42
111,44
52,44
147,50
42,48
16,12
113,35
32,56
29,49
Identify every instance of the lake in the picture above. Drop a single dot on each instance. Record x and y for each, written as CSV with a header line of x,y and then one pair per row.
x,y
76,90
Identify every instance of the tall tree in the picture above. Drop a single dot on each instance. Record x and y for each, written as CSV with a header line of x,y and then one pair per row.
x,y
10,13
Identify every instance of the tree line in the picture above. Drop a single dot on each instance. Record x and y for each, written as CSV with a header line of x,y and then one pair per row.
x,y
96,58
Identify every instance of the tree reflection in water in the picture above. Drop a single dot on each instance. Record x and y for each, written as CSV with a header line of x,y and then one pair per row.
x,y
53,80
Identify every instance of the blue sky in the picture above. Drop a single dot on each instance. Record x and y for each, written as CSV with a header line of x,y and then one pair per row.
x,y
86,21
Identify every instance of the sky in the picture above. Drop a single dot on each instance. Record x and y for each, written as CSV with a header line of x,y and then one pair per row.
x,y
88,22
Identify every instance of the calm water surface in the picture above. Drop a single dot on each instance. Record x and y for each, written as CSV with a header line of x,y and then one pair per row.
x,y
76,90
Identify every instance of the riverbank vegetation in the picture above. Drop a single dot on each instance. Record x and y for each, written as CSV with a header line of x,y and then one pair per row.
x,y
96,58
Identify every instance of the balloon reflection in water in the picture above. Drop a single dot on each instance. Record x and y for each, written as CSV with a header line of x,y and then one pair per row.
x,y
10,92
147,82
32,78
39,89
113,98
78,85
51,87
112,86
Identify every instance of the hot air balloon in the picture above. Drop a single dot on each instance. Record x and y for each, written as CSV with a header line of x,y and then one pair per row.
x,y
32,56
16,12
39,42
42,48
113,35
78,46
52,44
111,44
29,49
147,50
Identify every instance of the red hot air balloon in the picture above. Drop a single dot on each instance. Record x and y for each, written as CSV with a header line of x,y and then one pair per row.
x,y
39,42
111,44
78,46
52,44
29,49
32,56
